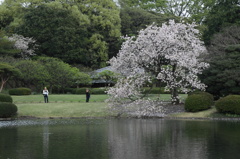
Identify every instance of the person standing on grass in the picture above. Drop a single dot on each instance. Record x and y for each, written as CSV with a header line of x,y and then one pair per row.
x,y
45,94
87,95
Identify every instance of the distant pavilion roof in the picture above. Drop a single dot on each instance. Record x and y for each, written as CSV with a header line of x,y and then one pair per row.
x,y
109,68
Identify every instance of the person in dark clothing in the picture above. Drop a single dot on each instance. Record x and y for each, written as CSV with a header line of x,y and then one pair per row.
x,y
87,95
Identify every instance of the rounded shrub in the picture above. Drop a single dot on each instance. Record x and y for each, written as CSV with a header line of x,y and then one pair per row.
x,y
20,91
229,104
197,102
7,109
208,95
5,98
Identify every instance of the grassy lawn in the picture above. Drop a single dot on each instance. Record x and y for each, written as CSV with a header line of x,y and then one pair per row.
x,y
201,114
53,98
46,110
66,105
72,98
69,105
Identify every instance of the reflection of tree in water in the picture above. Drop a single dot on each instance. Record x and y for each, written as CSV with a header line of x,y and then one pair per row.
x,y
45,141
225,140
8,139
146,139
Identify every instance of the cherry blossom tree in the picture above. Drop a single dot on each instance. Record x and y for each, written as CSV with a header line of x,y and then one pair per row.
x,y
25,44
170,54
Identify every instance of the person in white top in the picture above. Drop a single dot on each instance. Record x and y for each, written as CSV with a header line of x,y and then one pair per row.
x,y
45,94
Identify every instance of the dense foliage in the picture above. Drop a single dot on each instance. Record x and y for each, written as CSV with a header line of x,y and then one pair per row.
x,y
20,91
92,90
6,72
224,13
58,33
135,19
229,104
197,102
85,32
7,109
5,98
6,46
223,77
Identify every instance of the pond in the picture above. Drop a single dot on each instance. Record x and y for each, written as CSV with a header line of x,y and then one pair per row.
x,y
119,139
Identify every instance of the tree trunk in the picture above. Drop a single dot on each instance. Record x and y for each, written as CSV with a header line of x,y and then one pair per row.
x,y
175,98
2,84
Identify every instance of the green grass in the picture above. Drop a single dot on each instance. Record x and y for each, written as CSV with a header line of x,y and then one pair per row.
x,y
73,98
67,105
47,110
201,114
72,105
65,98
210,113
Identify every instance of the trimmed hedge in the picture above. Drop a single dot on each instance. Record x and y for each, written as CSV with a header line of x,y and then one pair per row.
x,y
7,109
98,90
5,98
20,91
229,104
197,102
92,90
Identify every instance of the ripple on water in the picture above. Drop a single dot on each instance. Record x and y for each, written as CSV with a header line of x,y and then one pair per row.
x,y
16,123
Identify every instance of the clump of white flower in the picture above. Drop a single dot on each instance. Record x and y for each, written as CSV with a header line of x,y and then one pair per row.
x,y
23,44
139,108
170,53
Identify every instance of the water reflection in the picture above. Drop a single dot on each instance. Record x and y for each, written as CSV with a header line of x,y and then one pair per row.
x,y
150,139
119,139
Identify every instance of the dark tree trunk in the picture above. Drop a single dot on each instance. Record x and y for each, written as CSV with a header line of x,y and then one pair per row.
x,y
175,98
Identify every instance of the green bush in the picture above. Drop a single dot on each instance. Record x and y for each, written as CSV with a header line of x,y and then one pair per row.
x,y
92,91
208,95
98,90
79,91
197,102
5,98
7,109
229,104
20,91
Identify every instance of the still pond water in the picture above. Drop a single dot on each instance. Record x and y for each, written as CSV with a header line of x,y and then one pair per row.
x,y
119,139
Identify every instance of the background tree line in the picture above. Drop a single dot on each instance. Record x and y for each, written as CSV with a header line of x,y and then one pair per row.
x,y
86,33
45,71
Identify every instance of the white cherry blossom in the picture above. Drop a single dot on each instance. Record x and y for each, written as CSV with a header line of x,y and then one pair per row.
x,y
23,44
170,53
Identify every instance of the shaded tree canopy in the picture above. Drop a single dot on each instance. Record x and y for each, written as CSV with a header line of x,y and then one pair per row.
x,y
6,46
222,77
83,31
58,33
223,14
194,10
6,72
135,19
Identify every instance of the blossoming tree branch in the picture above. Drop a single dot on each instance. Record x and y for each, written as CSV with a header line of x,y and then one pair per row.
x,y
169,54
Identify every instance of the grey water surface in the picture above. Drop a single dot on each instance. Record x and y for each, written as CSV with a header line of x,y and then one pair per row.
x,y
119,139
